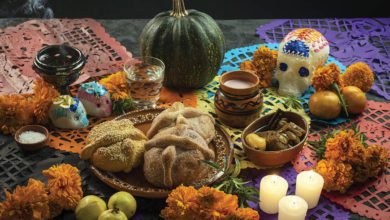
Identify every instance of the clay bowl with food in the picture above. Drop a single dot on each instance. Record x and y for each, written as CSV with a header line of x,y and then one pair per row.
x,y
274,158
32,137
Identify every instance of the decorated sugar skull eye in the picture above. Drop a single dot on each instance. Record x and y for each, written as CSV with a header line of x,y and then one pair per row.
x,y
304,72
283,66
76,117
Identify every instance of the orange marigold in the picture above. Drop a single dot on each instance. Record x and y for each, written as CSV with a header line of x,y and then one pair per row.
x,y
117,86
360,75
181,203
186,203
263,64
325,76
248,65
337,176
344,146
244,214
26,202
15,111
44,93
215,203
64,185
376,159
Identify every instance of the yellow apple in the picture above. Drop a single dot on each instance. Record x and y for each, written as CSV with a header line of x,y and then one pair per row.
x,y
90,207
112,214
123,201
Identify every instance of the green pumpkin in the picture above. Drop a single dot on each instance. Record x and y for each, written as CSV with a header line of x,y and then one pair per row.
x,y
190,44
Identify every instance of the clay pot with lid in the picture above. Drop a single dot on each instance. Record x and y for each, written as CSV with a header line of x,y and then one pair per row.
x,y
238,101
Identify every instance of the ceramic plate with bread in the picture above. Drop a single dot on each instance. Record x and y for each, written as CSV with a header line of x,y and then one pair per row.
x,y
149,152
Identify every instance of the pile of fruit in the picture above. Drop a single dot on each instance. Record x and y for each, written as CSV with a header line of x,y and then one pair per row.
x,y
336,92
121,206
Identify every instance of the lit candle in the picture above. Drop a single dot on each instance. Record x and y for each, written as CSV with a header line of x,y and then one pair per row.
x,y
292,208
272,189
309,187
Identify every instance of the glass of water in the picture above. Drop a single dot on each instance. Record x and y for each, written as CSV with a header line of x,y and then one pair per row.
x,y
144,76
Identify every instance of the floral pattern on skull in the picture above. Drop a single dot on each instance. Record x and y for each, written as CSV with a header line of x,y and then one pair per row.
x,y
300,53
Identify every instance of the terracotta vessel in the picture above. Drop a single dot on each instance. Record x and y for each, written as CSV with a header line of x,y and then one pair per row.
x,y
238,101
34,146
274,158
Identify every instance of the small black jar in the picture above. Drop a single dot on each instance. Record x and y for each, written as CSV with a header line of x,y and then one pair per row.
x,y
59,65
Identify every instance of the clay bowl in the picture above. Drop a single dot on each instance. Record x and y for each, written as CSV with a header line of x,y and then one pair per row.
x,y
271,159
34,146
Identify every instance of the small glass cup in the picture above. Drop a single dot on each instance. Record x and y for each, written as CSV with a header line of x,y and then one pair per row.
x,y
144,76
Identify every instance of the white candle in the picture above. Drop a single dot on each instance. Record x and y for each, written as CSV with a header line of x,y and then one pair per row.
x,y
309,187
272,189
292,208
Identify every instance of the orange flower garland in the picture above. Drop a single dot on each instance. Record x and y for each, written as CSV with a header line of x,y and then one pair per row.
x,y
185,202
26,202
64,184
263,64
360,75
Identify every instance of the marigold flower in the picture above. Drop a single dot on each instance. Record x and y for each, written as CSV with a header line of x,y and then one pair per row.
x,y
263,64
44,93
360,75
117,86
376,159
64,185
325,76
186,203
337,175
26,202
15,111
339,145
248,65
216,203
244,214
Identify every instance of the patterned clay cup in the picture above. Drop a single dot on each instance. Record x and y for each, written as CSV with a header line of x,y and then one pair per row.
x,y
237,105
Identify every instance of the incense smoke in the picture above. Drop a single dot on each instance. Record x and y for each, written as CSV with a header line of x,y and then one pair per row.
x,y
26,8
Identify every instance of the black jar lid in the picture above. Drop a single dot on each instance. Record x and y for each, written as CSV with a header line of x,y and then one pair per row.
x,y
62,58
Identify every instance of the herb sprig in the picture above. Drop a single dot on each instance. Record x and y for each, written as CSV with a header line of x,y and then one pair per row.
x,y
232,184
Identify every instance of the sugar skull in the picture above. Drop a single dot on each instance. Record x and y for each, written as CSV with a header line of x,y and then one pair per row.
x,y
95,98
68,112
300,53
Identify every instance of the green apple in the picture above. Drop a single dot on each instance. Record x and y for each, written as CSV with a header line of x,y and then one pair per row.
x,y
123,201
90,207
112,214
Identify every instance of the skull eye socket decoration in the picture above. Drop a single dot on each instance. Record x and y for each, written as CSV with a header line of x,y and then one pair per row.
x,y
283,66
304,72
300,53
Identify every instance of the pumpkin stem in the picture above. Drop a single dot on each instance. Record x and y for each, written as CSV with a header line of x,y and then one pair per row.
x,y
179,9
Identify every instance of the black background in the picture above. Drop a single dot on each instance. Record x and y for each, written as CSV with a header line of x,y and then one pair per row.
x,y
219,9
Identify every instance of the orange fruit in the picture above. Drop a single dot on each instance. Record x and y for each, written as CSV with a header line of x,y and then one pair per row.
x,y
325,105
355,99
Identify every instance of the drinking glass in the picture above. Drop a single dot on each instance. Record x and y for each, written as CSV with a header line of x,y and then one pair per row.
x,y
144,76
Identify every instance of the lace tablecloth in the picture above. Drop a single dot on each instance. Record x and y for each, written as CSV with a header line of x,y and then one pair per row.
x,y
16,166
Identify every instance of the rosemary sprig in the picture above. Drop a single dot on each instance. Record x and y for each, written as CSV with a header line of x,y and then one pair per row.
x,y
293,102
230,182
